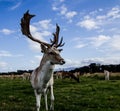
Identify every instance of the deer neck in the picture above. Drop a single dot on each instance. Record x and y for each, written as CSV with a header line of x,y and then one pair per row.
x,y
46,66
45,60
44,72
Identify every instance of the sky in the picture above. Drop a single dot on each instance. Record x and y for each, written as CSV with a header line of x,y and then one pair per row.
x,y
90,28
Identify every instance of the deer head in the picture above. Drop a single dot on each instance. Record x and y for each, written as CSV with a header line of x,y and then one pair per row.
x,y
50,50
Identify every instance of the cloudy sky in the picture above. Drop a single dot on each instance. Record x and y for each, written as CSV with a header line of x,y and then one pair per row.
x,y
90,28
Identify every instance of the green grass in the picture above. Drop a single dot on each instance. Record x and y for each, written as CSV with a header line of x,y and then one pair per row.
x,y
91,94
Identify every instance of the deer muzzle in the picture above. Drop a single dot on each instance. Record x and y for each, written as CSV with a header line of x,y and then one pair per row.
x,y
62,61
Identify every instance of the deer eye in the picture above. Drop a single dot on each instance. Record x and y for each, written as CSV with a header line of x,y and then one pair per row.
x,y
51,53
60,50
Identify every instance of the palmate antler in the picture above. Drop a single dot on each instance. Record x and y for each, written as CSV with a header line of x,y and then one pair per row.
x,y
25,28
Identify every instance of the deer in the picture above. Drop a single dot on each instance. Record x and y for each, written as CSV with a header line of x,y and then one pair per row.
x,y
26,76
107,74
42,77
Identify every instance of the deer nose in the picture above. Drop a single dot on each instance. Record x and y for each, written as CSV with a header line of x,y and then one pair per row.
x,y
62,62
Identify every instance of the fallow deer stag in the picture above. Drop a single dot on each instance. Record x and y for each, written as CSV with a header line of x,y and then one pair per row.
x,y
42,76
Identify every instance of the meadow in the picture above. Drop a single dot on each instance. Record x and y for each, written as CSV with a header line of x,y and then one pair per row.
x,y
93,93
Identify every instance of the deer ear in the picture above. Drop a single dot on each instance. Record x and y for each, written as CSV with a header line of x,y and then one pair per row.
x,y
43,48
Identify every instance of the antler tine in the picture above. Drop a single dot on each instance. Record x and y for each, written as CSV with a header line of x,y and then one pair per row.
x,y
61,44
56,38
25,28
57,33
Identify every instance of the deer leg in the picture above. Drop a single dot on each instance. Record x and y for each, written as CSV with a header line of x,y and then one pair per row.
x,y
52,98
38,99
46,104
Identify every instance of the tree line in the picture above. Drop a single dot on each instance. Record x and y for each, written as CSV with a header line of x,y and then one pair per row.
x,y
18,72
92,68
95,67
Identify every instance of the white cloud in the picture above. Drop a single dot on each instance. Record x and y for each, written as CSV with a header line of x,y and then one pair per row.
x,y
45,24
114,43
111,59
100,40
101,60
88,24
64,11
79,63
5,54
114,13
88,61
16,6
45,33
35,61
95,20
18,55
72,63
101,17
34,46
32,62
6,31
80,45
38,57
33,28
107,43
71,14
54,8
102,44
3,64
40,30
69,63
78,42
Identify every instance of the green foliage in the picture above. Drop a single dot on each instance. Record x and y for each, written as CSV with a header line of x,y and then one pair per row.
x,y
91,94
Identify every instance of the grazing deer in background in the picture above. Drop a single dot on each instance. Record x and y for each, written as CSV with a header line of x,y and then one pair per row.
x,y
26,76
42,76
107,74
66,74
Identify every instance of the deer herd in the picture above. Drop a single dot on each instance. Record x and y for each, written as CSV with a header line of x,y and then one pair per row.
x,y
42,78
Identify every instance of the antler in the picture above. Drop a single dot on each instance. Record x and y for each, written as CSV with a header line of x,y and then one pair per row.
x,y
25,28
56,38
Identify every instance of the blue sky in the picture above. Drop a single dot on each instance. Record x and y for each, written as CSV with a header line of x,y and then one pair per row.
x,y
90,29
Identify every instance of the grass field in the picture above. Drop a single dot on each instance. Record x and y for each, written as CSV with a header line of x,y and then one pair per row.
x,y
91,94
